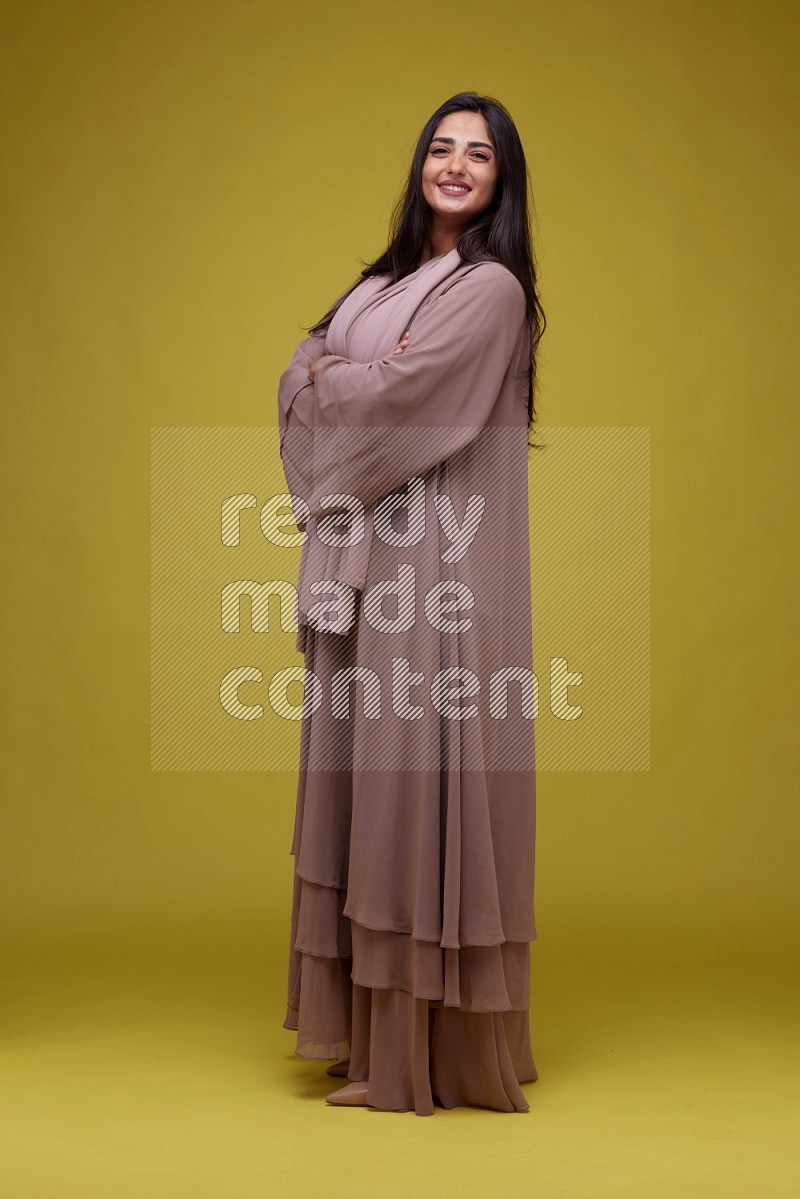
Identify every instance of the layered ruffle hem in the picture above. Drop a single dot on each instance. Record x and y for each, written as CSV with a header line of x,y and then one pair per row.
x,y
411,926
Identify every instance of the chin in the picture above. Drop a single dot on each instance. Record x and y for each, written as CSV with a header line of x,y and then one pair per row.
x,y
439,205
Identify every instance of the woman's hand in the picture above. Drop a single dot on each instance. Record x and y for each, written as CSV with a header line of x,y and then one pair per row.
x,y
402,343
398,349
316,363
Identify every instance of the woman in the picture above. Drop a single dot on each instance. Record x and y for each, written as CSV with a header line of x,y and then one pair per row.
x,y
404,420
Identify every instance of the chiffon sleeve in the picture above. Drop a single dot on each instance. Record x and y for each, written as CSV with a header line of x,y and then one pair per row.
x,y
297,437
375,425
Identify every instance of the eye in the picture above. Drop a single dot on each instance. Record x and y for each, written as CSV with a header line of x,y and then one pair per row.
x,y
443,150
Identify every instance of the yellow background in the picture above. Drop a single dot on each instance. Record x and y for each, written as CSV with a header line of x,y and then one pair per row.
x,y
188,185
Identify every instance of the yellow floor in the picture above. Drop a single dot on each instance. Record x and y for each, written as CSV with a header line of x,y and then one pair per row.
x,y
145,1062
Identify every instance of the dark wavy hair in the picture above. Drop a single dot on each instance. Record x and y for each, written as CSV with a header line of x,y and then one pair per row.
x,y
501,233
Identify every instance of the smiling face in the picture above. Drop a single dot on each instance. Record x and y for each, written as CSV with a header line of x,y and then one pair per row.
x,y
461,149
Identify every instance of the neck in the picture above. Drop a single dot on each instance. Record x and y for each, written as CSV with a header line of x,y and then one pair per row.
x,y
439,242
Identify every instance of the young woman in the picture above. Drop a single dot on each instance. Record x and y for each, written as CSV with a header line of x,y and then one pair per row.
x,y
404,421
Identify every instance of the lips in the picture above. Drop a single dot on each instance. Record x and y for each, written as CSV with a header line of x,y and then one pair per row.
x,y
453,188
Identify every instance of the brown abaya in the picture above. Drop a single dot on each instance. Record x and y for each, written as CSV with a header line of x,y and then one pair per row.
x,y
412,910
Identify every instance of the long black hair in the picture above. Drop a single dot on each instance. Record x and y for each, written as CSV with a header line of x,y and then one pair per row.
x,y
501,233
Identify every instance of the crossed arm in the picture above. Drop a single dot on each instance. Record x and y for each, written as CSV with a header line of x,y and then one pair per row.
x,y
363,429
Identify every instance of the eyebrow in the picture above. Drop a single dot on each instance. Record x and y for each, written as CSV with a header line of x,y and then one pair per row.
x,y
451,141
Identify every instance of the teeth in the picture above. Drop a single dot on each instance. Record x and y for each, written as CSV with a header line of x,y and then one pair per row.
x,y
450,187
